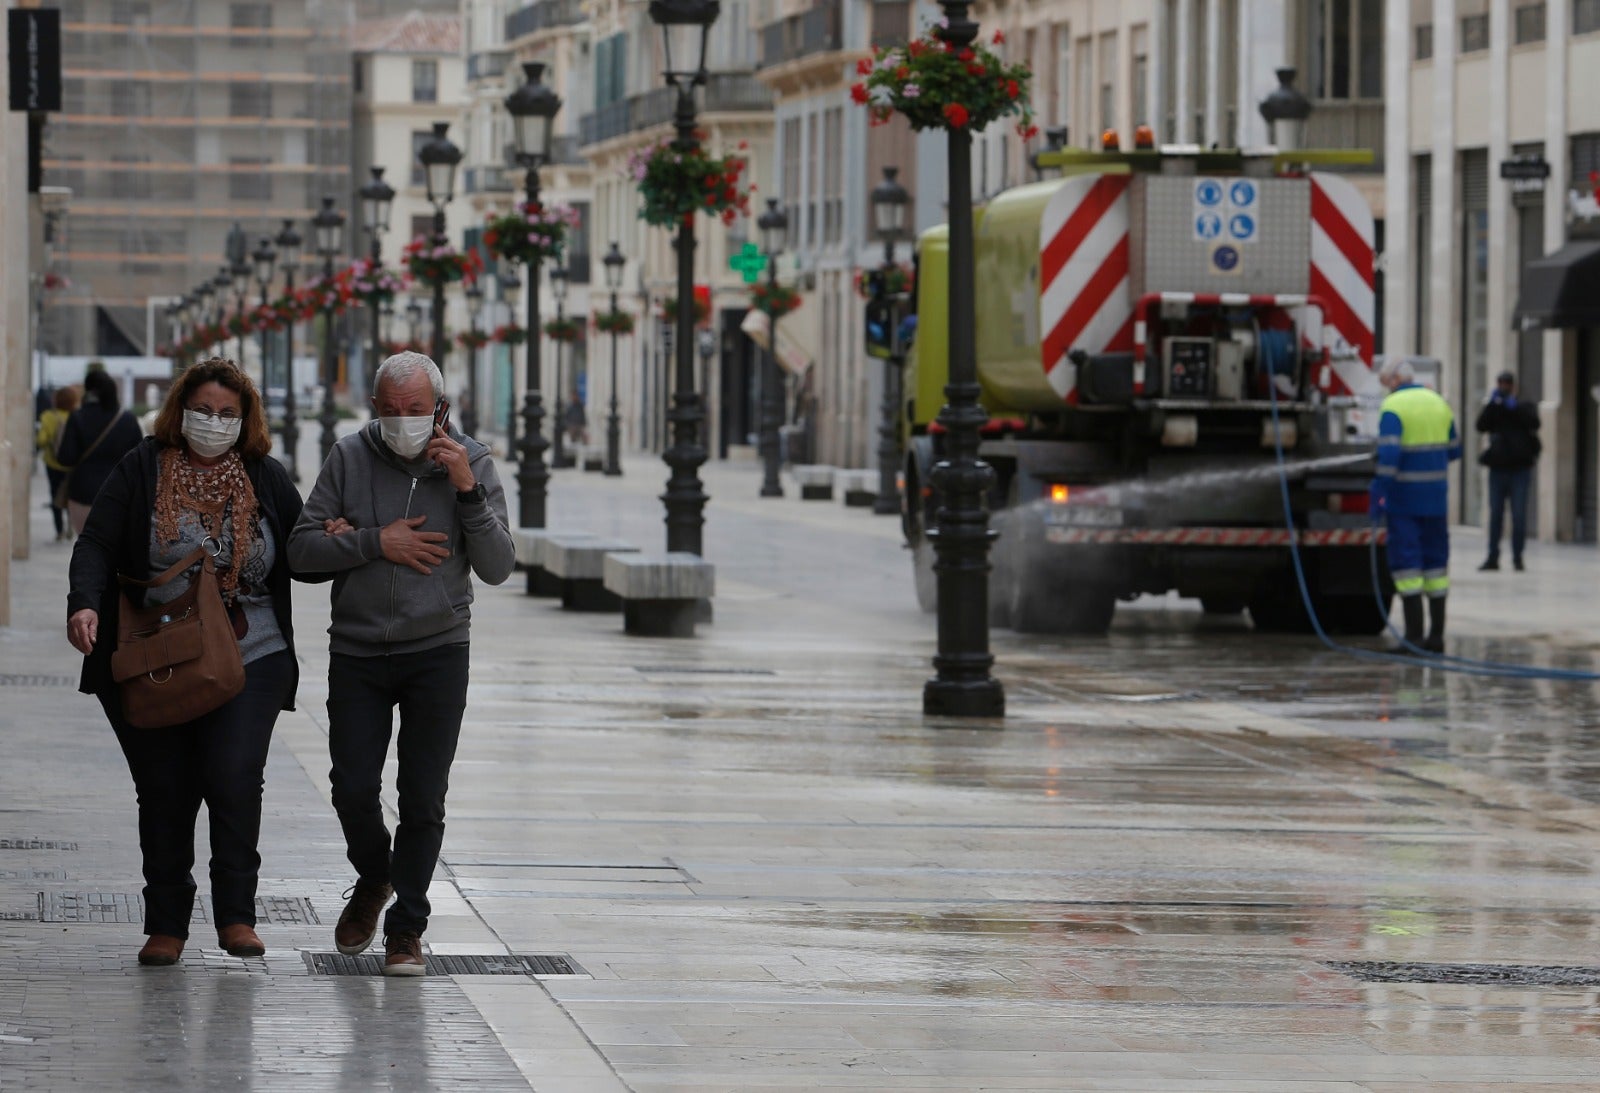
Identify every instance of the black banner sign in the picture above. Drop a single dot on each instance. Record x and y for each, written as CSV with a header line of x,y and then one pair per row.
x,y
33,37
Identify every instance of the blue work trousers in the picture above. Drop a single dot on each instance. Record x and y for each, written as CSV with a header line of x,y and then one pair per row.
x,y
1419,554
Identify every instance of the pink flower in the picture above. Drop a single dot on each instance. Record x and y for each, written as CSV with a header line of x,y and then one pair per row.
x,y
911,91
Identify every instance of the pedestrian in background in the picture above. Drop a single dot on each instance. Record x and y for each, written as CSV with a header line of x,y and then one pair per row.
x,y
1417,441
576,422
203,479
405,512
95,438
48,439
1512,427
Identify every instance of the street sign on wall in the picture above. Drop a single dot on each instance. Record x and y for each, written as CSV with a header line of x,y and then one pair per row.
x,y
33,43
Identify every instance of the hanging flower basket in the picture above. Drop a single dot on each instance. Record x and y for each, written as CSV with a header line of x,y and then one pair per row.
x,y
431,264
676,184
239,325
324,295
896,280
509,334
472,339
669,310
563,330
774,299
369,283
530,232
54,281
937,85
614,322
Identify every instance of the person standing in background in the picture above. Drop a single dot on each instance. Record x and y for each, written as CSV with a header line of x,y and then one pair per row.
x,y
47,439
1512,427
95,438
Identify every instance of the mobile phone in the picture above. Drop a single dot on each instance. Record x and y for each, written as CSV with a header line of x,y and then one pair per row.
x,y
441,414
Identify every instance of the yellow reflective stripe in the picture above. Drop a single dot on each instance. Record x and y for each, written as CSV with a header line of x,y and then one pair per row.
x,y
1408,586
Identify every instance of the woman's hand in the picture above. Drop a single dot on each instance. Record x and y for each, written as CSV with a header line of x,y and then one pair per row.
x,y
82,629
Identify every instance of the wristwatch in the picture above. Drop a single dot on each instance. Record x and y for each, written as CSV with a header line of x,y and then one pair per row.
x,y
476,494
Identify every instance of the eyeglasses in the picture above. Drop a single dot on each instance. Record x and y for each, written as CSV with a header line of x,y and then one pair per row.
x,y
228,414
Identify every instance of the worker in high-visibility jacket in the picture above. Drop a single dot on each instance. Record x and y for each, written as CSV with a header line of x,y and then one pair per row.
x,y
1416,443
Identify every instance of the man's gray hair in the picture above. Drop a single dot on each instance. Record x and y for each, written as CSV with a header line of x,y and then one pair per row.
x,y
403,367
1398,369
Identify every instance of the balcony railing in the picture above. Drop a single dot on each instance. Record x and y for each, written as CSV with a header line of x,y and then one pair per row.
x,y
1346,123
724,92
542,15
490,180
484,66
817,30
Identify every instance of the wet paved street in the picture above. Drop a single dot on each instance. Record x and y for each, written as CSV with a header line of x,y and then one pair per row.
x,y
1175,866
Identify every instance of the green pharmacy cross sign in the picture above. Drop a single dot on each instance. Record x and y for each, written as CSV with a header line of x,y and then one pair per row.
x,y
748,263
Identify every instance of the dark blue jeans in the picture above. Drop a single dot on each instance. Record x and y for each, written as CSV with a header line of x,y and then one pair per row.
x,y
220,759
1508,487
431,690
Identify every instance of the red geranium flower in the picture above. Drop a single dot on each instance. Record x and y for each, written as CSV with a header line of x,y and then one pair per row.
x,y
858,92
863,67
975,70
1012,90
999,37
902,72
956,115
965,55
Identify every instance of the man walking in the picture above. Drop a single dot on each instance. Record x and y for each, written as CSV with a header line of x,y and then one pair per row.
x,y
1416,442
1512,427
404,513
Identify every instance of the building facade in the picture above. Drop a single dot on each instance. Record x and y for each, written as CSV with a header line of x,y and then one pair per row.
x,y
180,118
1473,86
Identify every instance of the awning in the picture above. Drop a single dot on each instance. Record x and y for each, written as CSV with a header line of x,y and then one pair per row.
x,y
1561,289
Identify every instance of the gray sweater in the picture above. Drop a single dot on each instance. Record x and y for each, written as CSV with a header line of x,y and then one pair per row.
x,y
378,606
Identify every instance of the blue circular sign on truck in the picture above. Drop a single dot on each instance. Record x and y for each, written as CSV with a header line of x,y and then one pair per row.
x,y
1208,191
1241,226
1207,226
1242,193
1225,258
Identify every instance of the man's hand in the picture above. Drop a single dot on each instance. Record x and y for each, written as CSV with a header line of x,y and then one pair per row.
x,y
450,455
403,544
82,629
337,526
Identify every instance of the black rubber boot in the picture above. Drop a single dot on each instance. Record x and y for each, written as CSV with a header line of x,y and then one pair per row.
x,y
1412,605
1435,642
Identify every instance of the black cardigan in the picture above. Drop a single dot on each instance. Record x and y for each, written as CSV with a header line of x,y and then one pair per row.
x,y
116,539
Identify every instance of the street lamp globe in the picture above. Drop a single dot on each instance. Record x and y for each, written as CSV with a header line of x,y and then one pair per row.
x,y
289,247
474,294
202,294
1286,104
889,203
329,225
265,260
774,227
685,29
614,263
558,283
439,158
413,318
377,200
509,281
222,283
239,277
533,108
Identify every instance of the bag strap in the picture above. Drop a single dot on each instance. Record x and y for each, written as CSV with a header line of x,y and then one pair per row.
x,y
199,554
116,417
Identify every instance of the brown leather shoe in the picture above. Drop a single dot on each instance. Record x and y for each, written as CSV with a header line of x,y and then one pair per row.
x,y
239,939
403,955
161,950
359,920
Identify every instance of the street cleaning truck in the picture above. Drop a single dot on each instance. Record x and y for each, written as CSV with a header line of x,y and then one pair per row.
x,y
1155,327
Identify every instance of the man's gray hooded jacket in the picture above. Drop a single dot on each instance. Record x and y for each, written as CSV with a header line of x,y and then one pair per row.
x,y
378,606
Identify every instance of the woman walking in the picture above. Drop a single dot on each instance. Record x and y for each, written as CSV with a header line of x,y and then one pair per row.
x,y
95,438
48,439
203,479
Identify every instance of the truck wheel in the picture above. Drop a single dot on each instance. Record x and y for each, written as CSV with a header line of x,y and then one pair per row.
x,y
1358,614
922,576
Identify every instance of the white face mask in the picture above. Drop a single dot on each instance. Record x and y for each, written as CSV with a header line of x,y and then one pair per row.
x,y
406,436
210,436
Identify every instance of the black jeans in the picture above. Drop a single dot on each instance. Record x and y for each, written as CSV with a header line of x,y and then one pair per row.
x,y
55,479
220,759
430,688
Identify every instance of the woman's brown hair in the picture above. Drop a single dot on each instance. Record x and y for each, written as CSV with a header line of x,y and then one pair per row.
x,y
68,397
254,440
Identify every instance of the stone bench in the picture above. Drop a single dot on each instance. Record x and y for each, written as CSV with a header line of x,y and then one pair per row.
x,y
661,594
860,487
580,566
593,457
815,481
529,544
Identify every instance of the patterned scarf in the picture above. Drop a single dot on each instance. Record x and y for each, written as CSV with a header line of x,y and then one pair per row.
x,y
207,492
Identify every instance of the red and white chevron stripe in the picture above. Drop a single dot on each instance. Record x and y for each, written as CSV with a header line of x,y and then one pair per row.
x,y
1341,271
1084,298
1222,537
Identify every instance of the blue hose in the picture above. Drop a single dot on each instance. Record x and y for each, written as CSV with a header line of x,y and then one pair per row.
x,y
1413,655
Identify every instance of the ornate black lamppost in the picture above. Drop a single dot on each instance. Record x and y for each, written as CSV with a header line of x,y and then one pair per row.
x,y
469,399
239,274
377,199
685,27
509,283
264,262
614,263
774,226
289,258
559,456
533,109
1286,104
221,286
329,225
203,293
963,686
889,203
439,158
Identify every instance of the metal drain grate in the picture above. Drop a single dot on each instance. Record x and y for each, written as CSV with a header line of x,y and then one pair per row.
x,y
537,965
673,670
1481,975
127,907
37,681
